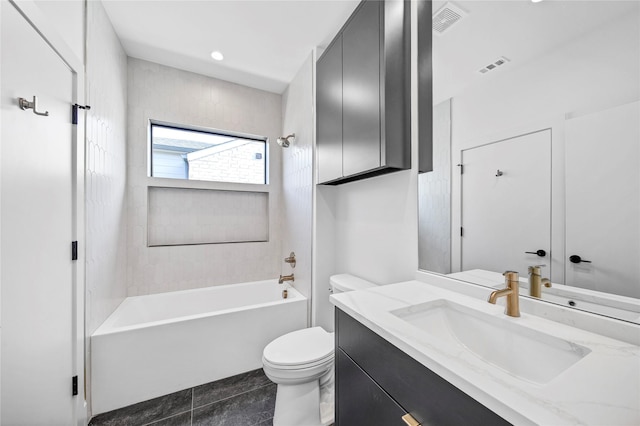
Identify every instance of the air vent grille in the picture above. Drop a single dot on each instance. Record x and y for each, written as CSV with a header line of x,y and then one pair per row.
x,y
445,17
494,65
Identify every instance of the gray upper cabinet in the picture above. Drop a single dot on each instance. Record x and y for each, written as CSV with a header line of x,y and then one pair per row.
x,y
363,95
361,91
329,112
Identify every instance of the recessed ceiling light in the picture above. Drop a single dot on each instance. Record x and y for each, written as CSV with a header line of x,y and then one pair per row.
x,y
536,1
217,55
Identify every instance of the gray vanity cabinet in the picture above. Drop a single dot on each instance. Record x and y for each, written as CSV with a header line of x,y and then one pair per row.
x,y
378,383
363,95
359,390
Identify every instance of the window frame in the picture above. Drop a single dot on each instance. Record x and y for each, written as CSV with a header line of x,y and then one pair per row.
x,y
206,130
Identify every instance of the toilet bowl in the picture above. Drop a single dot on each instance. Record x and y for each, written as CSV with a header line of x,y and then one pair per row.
x,y
301,364
297,362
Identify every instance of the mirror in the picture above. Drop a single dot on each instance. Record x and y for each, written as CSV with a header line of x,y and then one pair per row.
x,y
537,150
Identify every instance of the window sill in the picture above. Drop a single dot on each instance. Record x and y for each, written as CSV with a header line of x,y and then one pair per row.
x,y
200,184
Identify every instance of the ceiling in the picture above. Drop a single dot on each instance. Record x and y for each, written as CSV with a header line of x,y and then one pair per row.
x,y
516,29
264,42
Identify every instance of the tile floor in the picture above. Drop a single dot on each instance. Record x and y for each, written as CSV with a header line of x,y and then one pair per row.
x,y
247,399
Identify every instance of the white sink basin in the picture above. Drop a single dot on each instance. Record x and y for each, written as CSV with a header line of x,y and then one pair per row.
x,y
500,341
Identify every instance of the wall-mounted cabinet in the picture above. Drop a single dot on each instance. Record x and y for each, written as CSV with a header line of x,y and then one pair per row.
x,y
363,95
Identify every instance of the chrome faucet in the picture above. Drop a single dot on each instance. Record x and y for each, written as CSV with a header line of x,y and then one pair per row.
x,y
536,281
284,278
511,293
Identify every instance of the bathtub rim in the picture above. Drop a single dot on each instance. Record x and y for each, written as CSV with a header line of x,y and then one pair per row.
x,y
106,328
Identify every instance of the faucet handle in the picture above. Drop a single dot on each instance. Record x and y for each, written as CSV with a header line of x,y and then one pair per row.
x,y
532,269
511,279
291,259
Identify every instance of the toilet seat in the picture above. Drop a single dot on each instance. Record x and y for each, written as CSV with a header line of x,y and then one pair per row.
x,y
300,349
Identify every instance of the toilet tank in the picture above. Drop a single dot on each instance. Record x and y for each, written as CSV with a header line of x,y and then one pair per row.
x,y
347,282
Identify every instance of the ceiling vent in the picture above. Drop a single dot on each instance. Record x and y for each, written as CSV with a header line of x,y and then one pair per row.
x,y
494,65
445,17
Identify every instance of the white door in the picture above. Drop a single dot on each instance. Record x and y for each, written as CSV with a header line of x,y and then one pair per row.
x,y
506,204
36,230
603,200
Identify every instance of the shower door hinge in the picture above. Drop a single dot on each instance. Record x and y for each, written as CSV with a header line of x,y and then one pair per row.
x,y
74,385
74,250
74,112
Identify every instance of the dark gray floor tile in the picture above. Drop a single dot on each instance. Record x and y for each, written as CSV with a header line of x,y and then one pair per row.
x,y
147,411
183,419
231,386
268,422
247,409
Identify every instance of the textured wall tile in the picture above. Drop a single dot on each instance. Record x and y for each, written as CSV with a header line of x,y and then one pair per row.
x,y
105,202
297,176
167,94
180,216
434,198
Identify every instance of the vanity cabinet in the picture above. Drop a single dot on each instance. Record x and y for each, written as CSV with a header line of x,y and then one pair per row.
x,y
378,382
363,95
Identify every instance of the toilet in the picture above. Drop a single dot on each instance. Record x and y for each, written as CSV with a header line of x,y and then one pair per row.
x,y
301,364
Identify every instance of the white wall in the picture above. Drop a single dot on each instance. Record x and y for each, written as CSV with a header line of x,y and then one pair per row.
x,y
366,228
170,95
297,176
106,249
67,17
592,73
376,228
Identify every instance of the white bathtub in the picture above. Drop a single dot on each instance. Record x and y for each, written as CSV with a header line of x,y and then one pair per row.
x,y
162,343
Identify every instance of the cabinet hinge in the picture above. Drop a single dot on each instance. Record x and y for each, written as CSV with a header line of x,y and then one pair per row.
x,y
74,385
74,112
74,250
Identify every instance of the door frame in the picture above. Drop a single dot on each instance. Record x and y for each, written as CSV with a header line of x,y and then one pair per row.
x,y
43,26
510,139
556,124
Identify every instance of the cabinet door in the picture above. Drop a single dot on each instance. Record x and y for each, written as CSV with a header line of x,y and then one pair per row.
x,y
428,397
329,113
361,90
360,400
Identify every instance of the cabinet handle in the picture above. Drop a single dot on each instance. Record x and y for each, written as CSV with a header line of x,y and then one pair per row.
x,y
409,420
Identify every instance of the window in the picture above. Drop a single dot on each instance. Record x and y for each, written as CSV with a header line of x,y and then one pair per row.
x,y
182,153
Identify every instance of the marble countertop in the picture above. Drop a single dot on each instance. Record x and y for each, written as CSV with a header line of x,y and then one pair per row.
x,y
603,388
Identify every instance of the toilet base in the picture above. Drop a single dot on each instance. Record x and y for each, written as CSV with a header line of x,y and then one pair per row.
x,y
298,405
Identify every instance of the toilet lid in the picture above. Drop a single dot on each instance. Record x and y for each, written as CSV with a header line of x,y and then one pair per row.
x,y
300,347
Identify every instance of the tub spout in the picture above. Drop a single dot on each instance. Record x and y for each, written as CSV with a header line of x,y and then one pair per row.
x,y
284,278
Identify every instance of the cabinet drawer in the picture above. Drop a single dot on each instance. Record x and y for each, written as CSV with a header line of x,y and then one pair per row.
x,y
428,397
359,400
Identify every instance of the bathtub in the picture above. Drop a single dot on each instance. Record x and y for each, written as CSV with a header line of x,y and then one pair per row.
x,y
162,343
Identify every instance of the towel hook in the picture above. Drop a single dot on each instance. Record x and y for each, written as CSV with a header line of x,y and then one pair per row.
x,y
25,104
